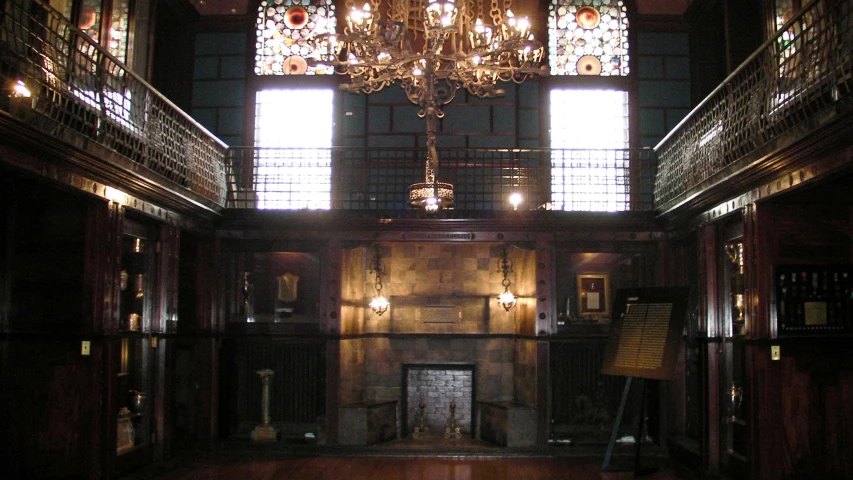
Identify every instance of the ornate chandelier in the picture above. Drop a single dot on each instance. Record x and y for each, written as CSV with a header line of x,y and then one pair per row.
x,y
433,58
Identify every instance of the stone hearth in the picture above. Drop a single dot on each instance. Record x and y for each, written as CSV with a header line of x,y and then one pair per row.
x,y
437,385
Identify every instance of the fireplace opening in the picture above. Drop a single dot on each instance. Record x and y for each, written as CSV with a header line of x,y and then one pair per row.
x,y
429,392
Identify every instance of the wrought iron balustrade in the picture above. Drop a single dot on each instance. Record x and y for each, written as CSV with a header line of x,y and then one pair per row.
x,y
803,72
352,178
81,94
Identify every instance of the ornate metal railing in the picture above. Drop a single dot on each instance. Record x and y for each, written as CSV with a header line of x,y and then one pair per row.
x,y
80,93
804,71
379,178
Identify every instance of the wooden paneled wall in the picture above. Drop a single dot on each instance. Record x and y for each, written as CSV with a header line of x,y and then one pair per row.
x,y
802,405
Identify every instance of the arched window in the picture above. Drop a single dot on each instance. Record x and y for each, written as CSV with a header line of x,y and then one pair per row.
x,y
286,33
588,37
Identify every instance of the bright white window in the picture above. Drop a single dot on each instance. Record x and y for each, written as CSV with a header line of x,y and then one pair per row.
x,y
590,156
293,136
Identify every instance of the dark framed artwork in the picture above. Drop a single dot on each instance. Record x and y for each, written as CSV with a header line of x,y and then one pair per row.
x,y
593,295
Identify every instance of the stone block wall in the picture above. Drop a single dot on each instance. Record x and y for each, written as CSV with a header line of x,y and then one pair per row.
x,y
443,311
352,366
384,359
525,372
436,388
508,424
464,276
368,424
352,291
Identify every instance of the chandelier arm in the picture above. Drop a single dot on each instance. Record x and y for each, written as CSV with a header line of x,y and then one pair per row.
x,y
495,13
432,152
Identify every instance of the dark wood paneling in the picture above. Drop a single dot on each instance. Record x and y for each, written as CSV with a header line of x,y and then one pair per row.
x,y
800,405
803,410
45,258
51,404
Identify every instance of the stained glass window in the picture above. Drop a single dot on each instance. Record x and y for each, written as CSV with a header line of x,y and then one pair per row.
x,y
119,29
89,19
64,6
286,33
787,40
588,37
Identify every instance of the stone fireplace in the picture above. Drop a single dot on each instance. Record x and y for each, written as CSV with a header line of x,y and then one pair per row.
x,y
436,386
444,338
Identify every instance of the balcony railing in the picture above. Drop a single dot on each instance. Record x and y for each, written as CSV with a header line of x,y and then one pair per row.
x,y
378,178
803,72
80,93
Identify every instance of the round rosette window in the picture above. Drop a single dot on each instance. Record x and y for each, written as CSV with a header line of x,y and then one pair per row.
x,y
589,65
588,17
295,17
296,65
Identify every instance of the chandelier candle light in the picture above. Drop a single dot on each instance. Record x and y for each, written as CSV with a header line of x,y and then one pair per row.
x,y
455,51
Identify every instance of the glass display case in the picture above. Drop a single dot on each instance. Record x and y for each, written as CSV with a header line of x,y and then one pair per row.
x,y
733,391
735,285
132,391
276,288
133,385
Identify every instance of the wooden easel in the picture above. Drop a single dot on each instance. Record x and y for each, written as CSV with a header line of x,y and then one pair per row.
x,y
644,340
608,455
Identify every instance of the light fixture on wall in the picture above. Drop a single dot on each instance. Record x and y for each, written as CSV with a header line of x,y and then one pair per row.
x,y
449,48
506,299
515,200
19,89
379,304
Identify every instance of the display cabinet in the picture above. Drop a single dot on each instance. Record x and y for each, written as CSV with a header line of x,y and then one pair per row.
x,y
734,272
276,288
734,426
134,382
813,299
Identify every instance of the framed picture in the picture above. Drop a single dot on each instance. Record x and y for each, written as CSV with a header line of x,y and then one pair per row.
x,y
593,295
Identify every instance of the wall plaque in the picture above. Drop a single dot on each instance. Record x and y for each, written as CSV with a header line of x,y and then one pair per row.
x,y
439,314
645,334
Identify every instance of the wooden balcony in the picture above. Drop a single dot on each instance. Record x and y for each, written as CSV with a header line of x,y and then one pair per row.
x,y
795,90
61,87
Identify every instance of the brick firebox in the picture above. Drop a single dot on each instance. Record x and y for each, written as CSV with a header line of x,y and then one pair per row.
x,y
437,385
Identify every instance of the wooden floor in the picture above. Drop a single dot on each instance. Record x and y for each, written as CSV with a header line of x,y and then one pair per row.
x,y
420,468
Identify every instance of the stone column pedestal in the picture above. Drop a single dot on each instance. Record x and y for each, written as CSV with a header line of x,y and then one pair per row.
x,y
265,432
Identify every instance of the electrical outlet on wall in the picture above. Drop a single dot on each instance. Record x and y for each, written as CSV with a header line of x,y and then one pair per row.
x,y
775,352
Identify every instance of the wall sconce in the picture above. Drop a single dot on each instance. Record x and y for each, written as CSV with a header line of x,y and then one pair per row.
x,y
19,90
506,299
515,200
379,304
